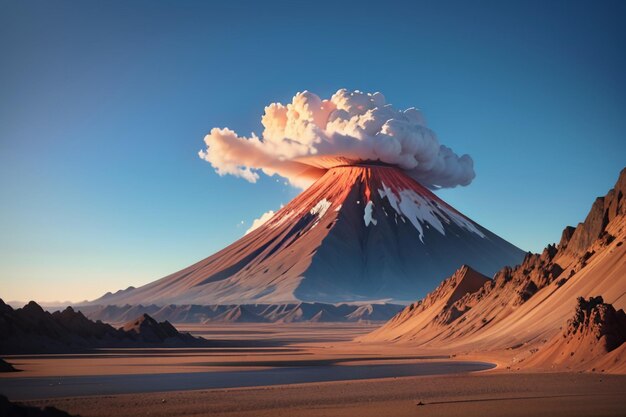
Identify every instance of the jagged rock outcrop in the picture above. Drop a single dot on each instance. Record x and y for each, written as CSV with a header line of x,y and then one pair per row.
x,y
595,330
598,321
603,211
566,236
33,330
525,306
148,330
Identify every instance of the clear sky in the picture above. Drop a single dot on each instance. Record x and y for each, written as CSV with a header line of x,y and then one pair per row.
x,y
104,106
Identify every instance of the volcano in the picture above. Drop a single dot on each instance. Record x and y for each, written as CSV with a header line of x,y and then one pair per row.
x,y
361,232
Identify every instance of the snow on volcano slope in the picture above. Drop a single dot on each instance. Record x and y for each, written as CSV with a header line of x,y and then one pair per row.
x,y
361,232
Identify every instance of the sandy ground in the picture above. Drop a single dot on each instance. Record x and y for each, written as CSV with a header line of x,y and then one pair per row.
x,y
498,392
263,346
468,395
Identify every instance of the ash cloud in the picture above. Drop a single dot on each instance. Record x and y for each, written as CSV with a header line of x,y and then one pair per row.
x,y
305,138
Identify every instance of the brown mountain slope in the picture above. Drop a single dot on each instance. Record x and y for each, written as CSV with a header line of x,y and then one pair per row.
x,y
524,307
436,309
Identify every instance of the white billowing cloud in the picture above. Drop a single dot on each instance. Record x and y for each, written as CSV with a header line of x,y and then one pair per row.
x,y
256,223
305,138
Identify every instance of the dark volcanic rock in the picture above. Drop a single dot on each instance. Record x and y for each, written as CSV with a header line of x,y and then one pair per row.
x,y
6,367
148,330
11,409
32,330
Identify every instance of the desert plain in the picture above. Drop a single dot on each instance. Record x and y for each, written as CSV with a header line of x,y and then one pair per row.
x,y
304,369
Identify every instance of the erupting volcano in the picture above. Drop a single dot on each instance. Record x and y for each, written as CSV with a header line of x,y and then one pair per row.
x,y
367,228
360,232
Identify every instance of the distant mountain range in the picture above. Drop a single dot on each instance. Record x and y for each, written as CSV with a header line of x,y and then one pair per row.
x,y
247,313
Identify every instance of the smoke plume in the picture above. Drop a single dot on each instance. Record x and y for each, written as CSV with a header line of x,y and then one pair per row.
x,y
305,138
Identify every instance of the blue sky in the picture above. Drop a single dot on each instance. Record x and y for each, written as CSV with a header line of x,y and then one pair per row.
x,y
104,105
